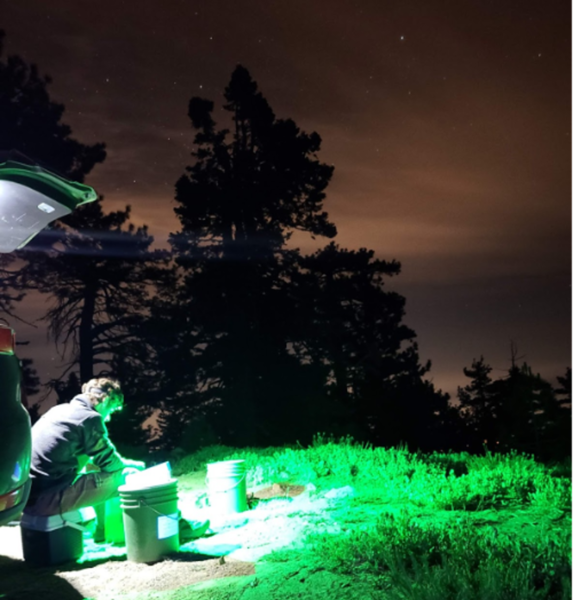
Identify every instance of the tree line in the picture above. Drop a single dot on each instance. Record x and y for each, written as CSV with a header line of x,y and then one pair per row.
x,y
232,335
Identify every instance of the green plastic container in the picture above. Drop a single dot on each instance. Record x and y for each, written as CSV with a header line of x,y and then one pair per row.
x,y
150,521
114,532
227,487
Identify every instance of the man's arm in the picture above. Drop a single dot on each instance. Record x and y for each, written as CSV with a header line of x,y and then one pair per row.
x,y
99,447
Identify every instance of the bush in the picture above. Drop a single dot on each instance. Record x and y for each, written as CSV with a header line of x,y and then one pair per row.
x,y
429,560
413,521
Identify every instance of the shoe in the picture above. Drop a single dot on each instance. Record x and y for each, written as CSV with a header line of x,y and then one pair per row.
x,y
192,530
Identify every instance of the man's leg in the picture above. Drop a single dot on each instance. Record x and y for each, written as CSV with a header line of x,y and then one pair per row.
x,y
99,533
90,489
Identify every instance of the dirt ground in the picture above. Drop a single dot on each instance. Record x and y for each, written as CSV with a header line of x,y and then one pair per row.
x,y
228,563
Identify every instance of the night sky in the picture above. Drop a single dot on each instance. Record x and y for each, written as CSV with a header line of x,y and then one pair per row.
x,y
448,123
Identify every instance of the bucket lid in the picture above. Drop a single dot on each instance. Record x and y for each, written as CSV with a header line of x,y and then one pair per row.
x,y
152,476
137,487
51,522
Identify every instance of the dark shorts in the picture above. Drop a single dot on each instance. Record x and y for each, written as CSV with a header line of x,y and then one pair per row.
x,y
89,489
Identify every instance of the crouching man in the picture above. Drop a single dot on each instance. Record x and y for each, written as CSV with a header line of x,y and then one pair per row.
x,y
64,440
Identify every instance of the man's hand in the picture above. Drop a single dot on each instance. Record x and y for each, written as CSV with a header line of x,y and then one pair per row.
x,y
138,465
129,471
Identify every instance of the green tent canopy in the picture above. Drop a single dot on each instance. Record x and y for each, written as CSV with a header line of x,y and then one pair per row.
x,y
31,197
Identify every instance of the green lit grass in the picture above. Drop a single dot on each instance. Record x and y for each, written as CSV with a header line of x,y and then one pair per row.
x,y
428,527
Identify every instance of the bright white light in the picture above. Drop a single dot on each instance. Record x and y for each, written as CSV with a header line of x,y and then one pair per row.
x,y
46,208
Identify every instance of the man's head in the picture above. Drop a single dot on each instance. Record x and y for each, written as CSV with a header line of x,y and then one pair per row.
x,y
105,395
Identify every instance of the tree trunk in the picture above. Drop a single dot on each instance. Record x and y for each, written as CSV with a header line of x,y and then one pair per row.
x,y
85,336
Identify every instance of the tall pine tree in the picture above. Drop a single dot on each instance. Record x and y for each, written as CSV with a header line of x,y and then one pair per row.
x,y
272,346
246,192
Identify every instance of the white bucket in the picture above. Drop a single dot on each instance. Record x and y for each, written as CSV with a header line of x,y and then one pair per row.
x,y
227,486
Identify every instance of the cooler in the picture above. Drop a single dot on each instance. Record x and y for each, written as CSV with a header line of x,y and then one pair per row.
x,y
53,540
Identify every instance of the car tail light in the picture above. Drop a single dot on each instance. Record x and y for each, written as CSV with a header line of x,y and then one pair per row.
x,y
11,499
7,340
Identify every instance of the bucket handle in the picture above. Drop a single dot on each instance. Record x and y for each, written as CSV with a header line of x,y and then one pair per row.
x,y
228,489
142,501
79,526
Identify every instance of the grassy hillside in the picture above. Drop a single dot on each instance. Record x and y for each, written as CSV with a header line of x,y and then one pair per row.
x,y
426,526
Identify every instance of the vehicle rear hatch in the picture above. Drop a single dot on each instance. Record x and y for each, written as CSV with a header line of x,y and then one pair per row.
x,y
15,432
